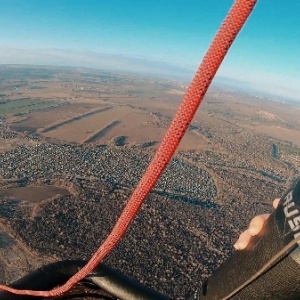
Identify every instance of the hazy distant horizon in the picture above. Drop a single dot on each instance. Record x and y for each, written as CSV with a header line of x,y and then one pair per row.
x,y
136,65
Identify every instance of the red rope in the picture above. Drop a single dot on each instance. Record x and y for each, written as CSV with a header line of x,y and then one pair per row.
x,y
192,99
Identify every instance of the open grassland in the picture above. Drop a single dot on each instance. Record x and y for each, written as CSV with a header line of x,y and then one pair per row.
x,y
280,133
42,119
34,194
104,125
83,128
8,144
145,129
137,127
60,123
290,149
101,132
26,105
149,105
271,119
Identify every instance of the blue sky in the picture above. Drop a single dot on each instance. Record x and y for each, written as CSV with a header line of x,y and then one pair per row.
x,y
163,37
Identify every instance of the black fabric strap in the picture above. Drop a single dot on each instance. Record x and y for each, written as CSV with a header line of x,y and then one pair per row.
x,y
282,280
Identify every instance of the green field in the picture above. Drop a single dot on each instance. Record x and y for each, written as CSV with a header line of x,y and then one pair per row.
x,y
289,149
26,105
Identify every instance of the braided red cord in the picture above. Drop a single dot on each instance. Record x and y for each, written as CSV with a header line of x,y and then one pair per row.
x,y
188,107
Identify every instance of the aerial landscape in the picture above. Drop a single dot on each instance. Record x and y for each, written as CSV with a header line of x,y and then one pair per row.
x,y
74,143
88,90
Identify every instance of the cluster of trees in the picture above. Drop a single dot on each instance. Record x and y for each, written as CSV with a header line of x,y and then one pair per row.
x,y
172,245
